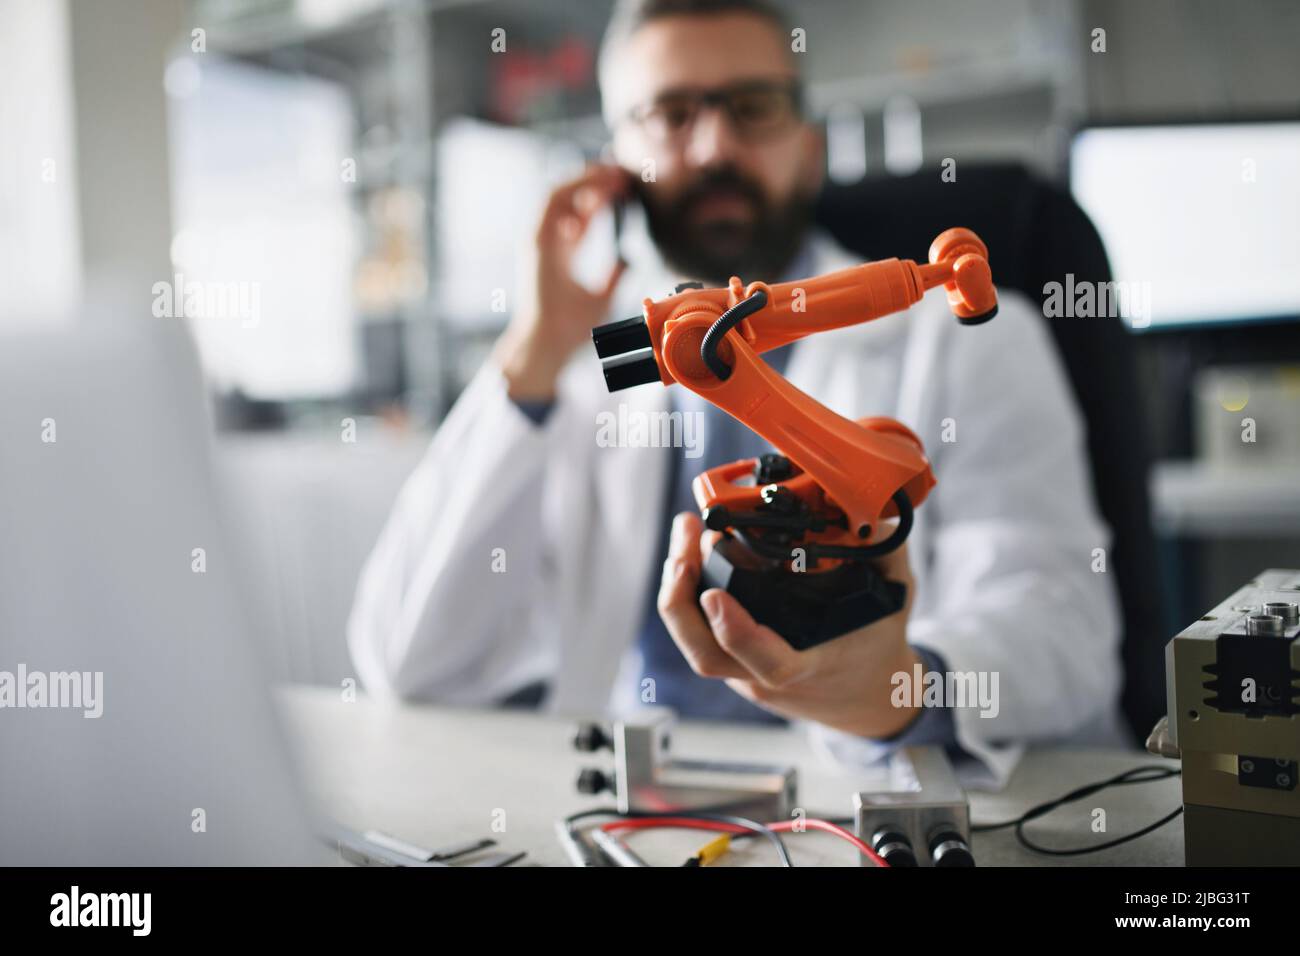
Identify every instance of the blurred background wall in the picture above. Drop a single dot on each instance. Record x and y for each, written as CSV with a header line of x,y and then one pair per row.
x,y
350,180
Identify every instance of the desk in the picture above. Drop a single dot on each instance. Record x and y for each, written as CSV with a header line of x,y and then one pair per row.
x,y
436,775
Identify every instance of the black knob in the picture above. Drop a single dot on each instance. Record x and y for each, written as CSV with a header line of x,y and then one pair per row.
x,y
893,846
948,848
683,286
592,781
591,737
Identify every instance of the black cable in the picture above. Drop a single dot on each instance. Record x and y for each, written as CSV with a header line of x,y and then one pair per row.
x,y
1079,851
1127,777
903,529
844,552
753,826
724,324
1146,774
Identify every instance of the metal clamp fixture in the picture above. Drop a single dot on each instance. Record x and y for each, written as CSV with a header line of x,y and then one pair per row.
x,y
1233,681
647,778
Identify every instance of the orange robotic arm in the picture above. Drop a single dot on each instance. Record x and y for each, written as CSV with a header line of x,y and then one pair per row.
x,y
836,480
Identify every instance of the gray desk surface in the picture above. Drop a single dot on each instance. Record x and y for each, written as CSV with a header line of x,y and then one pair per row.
x,y
437,775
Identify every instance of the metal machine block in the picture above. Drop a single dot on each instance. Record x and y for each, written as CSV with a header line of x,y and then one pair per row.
x,y
648,778
1233,684
923,819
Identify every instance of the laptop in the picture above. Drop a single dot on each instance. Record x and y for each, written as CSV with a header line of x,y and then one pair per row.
x,y
136,724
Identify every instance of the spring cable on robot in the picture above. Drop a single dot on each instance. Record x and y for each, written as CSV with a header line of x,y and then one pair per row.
x,y
725,323
839,551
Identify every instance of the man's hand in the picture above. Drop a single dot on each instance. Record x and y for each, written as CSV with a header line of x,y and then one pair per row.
x,y
843,683
557,312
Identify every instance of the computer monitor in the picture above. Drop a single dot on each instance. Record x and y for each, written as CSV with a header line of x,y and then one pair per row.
x,y
1199,219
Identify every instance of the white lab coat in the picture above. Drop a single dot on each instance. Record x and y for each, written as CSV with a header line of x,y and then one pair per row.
x,y
1003,549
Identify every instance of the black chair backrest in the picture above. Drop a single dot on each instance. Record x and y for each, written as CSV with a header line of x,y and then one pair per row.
x,y
1037,234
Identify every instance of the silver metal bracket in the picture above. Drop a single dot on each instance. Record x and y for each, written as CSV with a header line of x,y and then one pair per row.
x,y
648,778
923,819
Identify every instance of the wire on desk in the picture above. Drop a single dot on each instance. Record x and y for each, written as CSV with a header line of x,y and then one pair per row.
x,y
1145,774
744,825
785,826
711,851
829,826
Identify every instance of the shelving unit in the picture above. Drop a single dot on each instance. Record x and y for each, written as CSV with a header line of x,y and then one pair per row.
x,y
409,65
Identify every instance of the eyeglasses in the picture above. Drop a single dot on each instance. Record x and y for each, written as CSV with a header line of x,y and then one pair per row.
x,y
758,110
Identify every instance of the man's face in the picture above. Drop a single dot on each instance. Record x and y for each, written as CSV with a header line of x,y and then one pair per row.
x,y
734,167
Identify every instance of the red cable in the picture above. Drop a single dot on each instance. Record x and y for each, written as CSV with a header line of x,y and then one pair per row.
x,y
835,828
686,823
693,823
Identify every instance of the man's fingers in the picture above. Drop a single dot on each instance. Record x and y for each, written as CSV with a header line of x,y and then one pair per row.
x,y
765,654
752,691
894,565
679,608
685,623
684,540
572,204
708,541
584,193
611,283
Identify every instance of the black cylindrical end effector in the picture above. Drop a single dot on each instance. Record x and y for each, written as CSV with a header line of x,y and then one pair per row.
x,y
616,338
626,371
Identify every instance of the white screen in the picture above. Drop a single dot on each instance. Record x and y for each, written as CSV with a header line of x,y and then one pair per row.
x,y
261,207
1207,215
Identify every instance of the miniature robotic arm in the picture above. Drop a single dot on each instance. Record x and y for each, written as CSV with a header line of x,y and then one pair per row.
x,y
799,527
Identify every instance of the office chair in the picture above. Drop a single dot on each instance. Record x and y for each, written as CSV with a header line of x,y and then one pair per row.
x,y
1037,234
